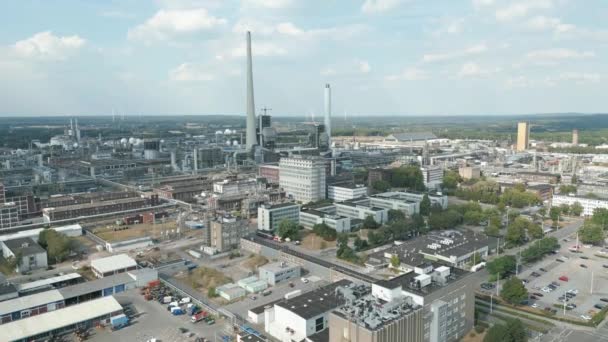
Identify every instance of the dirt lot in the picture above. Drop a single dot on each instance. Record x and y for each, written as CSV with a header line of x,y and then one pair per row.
x,y
313,242
254,261
120,233
204,278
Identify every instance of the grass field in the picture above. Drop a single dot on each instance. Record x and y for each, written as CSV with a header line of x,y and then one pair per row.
x,y
120,233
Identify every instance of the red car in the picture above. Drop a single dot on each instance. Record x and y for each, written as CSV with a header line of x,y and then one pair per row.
x,y
563,278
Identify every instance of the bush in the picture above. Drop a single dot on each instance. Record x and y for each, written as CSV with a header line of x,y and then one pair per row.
x,y
479,329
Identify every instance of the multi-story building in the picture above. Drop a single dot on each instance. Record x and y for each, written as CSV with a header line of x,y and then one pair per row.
x,y
270,216
296,318
2,192
432,176
415,196
97,208
339,193
589,204
236,187
370,319
523,136
278,272
540,177
469,172
29,254
270,173
9,215
209,157
303,178
446,295
226,233
310,217
359,209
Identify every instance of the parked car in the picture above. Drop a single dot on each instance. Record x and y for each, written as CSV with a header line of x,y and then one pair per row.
x,y
534,306
585,317
534,274
584,257
605,266
599,306
583,266
538,294
533,297
542,269
604,300
570,306
563,278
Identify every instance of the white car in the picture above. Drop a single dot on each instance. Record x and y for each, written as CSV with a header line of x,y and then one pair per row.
x,y
546,289
305,280
585,317
534,306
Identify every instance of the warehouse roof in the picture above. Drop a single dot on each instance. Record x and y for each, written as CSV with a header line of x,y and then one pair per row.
x,y
96,285
32,301
58,319
412,136
112,263
48,281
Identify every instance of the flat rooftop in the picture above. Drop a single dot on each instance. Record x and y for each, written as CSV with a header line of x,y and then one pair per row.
x,y
96,204
114,262
50,321
27,302
316,302
95,285
407,282
278,266
49,281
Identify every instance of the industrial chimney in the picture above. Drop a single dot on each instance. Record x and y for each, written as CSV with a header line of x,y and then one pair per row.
x,y
250,137
328,112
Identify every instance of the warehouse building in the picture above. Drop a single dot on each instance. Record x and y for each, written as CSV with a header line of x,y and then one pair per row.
x,y
113,265
45,324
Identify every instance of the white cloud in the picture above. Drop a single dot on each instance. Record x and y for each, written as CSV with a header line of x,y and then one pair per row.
x,y
46,45
518,82
168,23
472,70
542,23
350,68
409,74
575,77
378,6
451,27
482,3
521,9
270,4
364,67
439,57
558,54
188,72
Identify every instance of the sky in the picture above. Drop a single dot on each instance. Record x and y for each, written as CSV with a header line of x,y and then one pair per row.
x,y
381,57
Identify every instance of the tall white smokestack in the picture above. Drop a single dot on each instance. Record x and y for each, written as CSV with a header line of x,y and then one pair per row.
x,y
328,111
250,137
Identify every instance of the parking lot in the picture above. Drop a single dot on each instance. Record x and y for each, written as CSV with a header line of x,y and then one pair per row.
x,y
152,320
582,275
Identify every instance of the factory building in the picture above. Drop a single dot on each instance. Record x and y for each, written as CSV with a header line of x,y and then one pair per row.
x,y
339,193
111,265
97,208
9,215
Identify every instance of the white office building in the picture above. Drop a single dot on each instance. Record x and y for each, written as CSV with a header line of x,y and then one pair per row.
x,y
303,178
414,196
589,204
270,216
432,176
310,217
339,193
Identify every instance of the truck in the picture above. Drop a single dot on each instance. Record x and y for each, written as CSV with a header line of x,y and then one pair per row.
x,y
184,300
193,310
167,299
176,310
198,317
119,321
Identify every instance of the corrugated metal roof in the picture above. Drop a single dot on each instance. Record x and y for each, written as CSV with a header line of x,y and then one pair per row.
x,y
53,320
26,302
111,263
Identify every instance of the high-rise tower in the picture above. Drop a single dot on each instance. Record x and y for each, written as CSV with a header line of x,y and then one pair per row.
x,y
328,111
575,137
250,137
523,136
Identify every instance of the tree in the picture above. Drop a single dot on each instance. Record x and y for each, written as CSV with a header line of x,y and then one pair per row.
x,y
473,217
534,231
408,177
543,212
567,189
425,205
514,291
591,233
512,331
395,215
288,229
600,217
211,292
395,262
381,186
576,209
502,266
565,209
554,214
324,231
344,251
451,180
370,223
360,244
516,232
57,245
492,230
